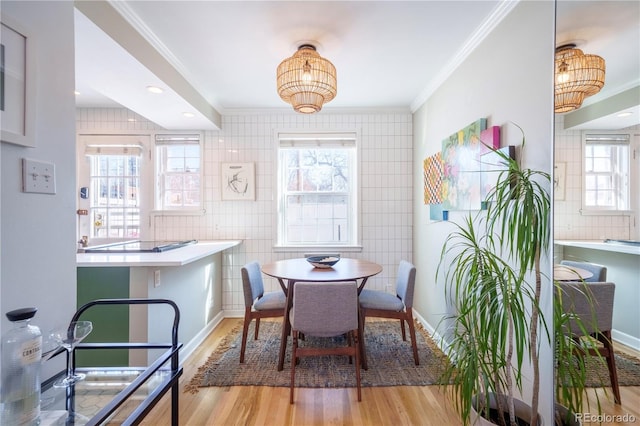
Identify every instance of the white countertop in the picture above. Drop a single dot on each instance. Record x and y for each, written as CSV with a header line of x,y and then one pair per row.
x,y
177,257
600,245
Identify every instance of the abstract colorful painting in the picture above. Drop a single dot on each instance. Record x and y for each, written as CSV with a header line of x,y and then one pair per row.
x,y
490,139
436,212
461,178
492,165
433,179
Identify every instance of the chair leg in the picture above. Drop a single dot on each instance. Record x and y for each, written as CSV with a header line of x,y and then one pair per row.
x,y
245,331
356,345
412,332
404,335
255,336
293,364
605,338
363,351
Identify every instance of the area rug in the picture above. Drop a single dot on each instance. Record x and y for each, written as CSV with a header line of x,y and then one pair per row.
x,y
627,367
389,358
390,362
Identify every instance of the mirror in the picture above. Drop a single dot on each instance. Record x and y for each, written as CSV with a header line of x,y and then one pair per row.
x,y
608,29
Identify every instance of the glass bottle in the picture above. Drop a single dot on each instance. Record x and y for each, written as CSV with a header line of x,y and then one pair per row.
x,y
20,387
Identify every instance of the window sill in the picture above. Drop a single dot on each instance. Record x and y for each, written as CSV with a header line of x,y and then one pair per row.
x,y
317,249
585,212
197,212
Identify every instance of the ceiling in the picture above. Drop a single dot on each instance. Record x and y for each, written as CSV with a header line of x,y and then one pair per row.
x,y
388,54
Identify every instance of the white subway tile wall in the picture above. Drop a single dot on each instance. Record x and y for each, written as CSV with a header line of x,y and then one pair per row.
x,y
569,224
386,168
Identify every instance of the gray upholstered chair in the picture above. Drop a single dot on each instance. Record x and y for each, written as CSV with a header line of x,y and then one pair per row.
x,y
599,271
257,303
592,304
400,306
325,310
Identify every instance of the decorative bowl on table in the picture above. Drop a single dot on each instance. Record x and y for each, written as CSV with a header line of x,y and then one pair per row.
x,y
326,261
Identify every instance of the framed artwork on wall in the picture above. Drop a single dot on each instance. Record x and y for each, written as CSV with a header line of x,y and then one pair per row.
x,y
433,179
17,84
461,177
492,165
238,181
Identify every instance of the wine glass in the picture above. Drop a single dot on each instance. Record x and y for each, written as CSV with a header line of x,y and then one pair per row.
x,y
69,338
52,342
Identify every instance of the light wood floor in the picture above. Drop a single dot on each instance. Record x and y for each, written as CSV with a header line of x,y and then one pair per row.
x,y
404,405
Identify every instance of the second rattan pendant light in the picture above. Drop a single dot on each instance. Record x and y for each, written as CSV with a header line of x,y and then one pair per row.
x,y
306,80
577,76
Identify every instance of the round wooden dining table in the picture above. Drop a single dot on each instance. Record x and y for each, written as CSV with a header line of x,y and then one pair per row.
x,y
290,271
570,273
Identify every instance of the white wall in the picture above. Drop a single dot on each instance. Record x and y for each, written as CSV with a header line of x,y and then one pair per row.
x,y
37,254
508,78
386,181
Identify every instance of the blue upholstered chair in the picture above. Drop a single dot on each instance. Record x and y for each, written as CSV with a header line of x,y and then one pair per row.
x,y
400,306
325,310
257,303
599,271
592,304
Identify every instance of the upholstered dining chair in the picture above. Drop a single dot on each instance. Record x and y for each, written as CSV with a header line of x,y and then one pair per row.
x,y
592,304
257,303
325,310
381,304
599,271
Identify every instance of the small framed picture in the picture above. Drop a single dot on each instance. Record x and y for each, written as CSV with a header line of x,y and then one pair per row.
x,y
559,173
238,181
17,84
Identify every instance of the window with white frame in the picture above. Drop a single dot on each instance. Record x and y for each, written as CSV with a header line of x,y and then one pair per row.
x,y
112,187
606,176
178,172
317,190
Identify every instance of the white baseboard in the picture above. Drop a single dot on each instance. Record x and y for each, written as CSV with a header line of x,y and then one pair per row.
x,y
618,336
437,338
626,339
192,345
237,313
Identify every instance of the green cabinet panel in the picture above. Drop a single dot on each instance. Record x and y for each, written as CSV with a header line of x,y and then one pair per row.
x,y
110,323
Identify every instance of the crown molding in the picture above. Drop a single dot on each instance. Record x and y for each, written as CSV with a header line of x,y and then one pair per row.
x,y
488,25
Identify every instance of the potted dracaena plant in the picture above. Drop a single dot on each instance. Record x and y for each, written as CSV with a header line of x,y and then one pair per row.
x,y
491,269
569,361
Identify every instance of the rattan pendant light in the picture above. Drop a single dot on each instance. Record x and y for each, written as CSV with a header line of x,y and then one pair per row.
x,y
577,76
306,80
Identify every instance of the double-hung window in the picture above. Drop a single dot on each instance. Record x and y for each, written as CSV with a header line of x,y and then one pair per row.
x,y
317,190
606,184
178,172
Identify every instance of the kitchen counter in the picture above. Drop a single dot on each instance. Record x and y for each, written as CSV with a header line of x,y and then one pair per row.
x,y
191,276
623,269
177,257
600,245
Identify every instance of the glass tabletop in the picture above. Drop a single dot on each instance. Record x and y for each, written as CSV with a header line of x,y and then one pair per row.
x,y
82,403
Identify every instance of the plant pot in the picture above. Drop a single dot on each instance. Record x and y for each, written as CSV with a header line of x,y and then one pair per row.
x,y
522,411
561,414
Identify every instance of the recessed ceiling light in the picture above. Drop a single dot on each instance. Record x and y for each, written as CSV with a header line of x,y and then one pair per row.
x,y
188,114
154,89
625,114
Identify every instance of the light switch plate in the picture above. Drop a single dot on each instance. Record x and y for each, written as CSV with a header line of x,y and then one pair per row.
x,y
38,176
